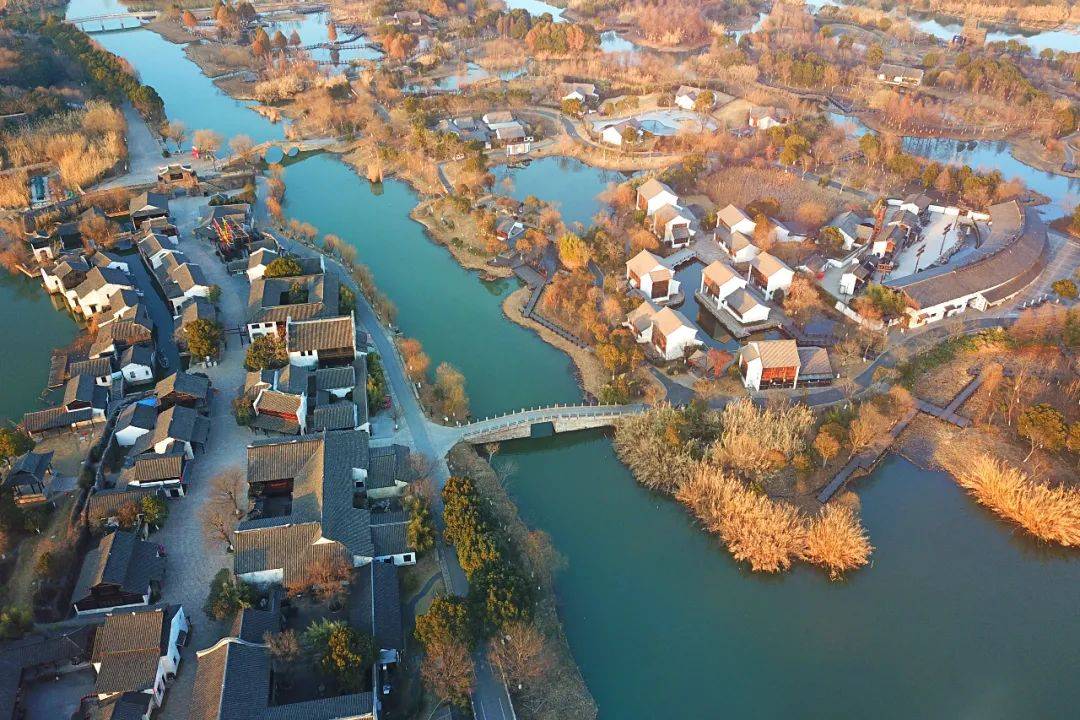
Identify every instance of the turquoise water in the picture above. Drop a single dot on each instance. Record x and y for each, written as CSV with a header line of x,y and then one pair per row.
x,y
957,617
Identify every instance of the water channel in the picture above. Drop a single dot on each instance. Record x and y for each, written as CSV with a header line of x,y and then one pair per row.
x,y
957,617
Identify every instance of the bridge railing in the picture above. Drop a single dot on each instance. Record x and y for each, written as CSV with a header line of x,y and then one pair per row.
x,y
546,414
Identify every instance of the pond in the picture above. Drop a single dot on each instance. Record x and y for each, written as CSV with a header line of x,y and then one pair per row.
x,y
569,184
312,29
536,8
985,155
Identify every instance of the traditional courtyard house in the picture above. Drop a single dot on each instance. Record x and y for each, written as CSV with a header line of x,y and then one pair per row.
x,y
272,302
148,206
498,117
133,422
39,656
781,363
66,275
136,363
686,97
257,262
467,129
123,305
769,274
322,342
139,652
155,246
198,309
165,472
234,680
899,75
178,429
734,220
656,281
763,118
672,335
323,479
183,388
41,247
121,572
854,229
101,369
114,337
512,132
185,282
29,477
624,131
672,225
84,405
854,278
105,507
639,320
653,195
411,20
92,294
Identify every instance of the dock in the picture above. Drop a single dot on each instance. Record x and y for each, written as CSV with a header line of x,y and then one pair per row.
x,y
734,328
868,459
57,369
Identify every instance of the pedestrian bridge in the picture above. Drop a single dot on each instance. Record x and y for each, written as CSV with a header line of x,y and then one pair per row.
x,y
561,418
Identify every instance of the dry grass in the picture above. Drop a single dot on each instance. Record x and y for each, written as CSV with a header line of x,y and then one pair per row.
x,y
837,541
83,145
743,185
1049,513
770,535
14,190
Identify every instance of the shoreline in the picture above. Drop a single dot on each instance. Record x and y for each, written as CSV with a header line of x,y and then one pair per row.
x,y
566,674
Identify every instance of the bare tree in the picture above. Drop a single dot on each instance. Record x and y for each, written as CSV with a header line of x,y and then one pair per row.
x,y
241,145
325,578
519,653
227,503
447,672
208,142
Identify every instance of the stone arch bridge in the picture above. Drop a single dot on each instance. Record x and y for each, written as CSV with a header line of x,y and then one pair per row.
x,y
521,424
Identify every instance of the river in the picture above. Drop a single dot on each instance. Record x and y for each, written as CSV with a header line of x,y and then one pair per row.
x,y
957,617
1065,38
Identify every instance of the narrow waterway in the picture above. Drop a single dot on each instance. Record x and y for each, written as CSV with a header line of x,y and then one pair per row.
x,y
957,617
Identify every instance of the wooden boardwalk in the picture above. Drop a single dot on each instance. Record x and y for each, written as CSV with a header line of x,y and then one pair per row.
x,y
869,458
57,369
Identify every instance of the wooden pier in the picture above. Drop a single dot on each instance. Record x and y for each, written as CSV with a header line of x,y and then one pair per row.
x,y
868,459
57,369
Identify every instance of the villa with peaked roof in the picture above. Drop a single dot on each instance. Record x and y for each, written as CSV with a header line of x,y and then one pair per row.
x,y
769,274
652,278
666,332
782,363
653,195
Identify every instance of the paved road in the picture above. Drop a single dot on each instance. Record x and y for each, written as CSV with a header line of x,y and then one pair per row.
x,y
193,562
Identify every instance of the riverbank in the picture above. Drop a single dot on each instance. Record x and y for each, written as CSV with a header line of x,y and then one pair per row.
x,y
590,374
565,695
467,255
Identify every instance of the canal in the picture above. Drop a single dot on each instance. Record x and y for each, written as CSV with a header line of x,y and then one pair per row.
x,y
958,616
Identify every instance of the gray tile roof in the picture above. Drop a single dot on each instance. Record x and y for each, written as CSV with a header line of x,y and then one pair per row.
x,y
389,539
54,418
121,333
268,298
79,388
188,276
129,706
123,560
105,503
34,651
99,277
154,468
95,367
232,682
321,468
138,354
340,415
183,383
137,415
129,646
321,334
272,548
293,379
387,603
335,378
387,466
30,466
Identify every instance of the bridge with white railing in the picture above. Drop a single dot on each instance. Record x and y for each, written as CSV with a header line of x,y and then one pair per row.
x,y
521,424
